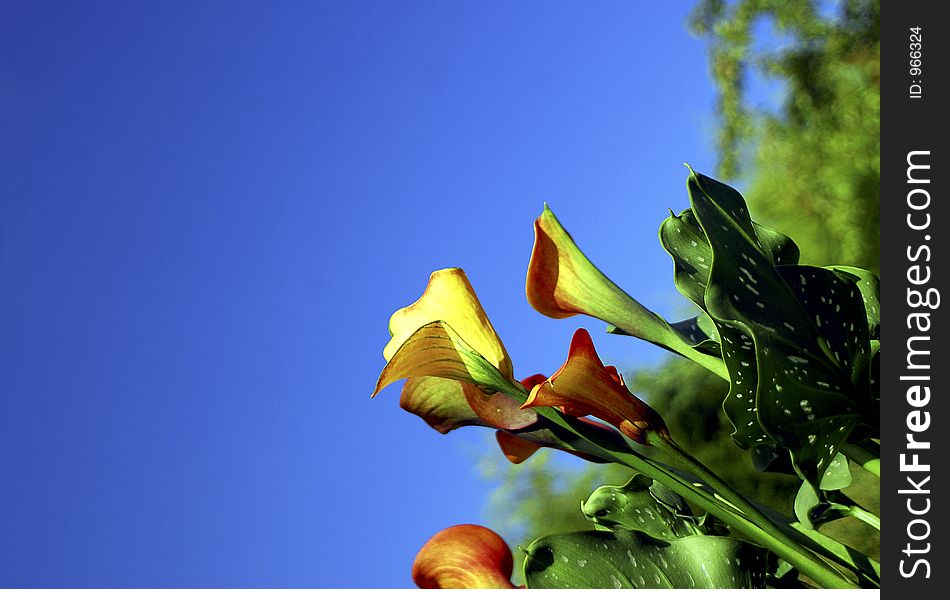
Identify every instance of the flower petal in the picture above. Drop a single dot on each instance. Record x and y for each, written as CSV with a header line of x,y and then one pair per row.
x,y
499,410
449,297
583,385
436,350
441,403
562,282
516,449
464,557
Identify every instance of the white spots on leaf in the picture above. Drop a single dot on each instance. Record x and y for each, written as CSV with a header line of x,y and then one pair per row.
x,y
633,559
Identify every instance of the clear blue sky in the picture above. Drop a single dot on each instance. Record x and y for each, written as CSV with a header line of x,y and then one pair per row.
x,y
208,212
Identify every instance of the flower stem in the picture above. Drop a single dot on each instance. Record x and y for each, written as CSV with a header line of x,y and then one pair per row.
x,y
721,506
862,515
768,533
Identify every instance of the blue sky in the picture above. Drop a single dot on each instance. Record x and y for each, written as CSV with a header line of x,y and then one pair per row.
x,y
208,212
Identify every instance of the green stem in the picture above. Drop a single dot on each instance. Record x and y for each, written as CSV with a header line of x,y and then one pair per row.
x,y
866,516
777,540
867,569
710,363
722,507
864,457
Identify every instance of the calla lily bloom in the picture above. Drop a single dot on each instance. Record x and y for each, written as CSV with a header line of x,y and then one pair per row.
x,y
450,354
584,386
464,557
449,297
450,383
563,282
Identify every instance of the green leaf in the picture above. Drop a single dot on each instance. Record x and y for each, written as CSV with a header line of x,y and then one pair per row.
x,y
838,474
797,335
641,504
870,287
771,458
780,248
684,240
813,507
691,330
634,560
738,354
806,501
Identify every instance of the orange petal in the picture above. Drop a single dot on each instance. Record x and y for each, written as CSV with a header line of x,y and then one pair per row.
x,y
464,557
562,282
516,449
584,386
499,410
533,380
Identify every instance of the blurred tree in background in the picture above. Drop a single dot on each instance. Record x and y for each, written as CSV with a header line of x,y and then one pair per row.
x,y
810,169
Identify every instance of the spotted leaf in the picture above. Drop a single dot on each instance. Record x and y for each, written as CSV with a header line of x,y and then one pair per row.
x,y
641,504
807,358
634,560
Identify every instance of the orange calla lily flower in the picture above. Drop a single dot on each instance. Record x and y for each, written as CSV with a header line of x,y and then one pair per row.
x,y
464,557
584,386
563,282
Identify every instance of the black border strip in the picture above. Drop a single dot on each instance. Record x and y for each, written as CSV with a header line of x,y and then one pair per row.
x,y
913,272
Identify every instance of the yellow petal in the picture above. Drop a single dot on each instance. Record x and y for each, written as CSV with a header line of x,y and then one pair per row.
x,y
449,297
436,350
441,403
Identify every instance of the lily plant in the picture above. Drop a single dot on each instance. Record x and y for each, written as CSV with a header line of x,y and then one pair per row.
x,y
798,344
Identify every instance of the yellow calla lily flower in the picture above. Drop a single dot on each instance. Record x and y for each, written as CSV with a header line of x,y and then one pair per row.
x,y
449,297
453,360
